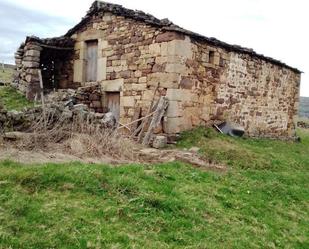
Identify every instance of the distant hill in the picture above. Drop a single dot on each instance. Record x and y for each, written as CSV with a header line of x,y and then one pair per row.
x,y
304,107
6,75
7,66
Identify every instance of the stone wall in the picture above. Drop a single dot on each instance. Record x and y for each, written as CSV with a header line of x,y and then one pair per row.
x,y
134,59
27,60
205,80
205,84
218,85
53,57
260,96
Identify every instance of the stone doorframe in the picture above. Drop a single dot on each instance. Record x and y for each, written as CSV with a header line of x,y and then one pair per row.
x,y
81,47
112,86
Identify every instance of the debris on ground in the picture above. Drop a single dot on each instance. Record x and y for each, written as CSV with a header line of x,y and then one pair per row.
x,y
67,131
303,124
159,142
15,135
152,155
230,129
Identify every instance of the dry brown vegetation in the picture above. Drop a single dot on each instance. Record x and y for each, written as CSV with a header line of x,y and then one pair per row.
x,y
79,136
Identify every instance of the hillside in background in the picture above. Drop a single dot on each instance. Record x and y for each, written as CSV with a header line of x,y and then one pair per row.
x,y
6,73
304,107
8,66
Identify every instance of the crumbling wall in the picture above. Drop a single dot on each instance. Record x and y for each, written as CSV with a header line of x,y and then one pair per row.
x,y
27,60
52,56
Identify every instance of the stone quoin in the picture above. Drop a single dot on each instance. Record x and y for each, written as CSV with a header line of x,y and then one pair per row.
x,y
128,57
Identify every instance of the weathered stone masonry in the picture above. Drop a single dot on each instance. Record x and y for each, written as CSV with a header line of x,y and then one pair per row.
x,y
205,80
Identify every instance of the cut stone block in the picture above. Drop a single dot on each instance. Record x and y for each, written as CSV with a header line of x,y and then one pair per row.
x,y
159,142
30,64
112,85
127,101
166,80
172,125
179,95
174,109
78,71
101,71
169,36
33,53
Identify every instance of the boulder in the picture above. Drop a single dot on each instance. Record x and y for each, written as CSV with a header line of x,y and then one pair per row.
x,y
159,142
80,107
194,149
108,120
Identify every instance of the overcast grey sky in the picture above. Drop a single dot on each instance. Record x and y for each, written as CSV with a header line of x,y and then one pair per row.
x,y
276,28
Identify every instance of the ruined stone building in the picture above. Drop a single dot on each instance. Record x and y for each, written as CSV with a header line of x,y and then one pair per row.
x,y
129,57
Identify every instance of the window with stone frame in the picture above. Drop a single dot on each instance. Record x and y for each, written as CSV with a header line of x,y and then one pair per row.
x,y
211,57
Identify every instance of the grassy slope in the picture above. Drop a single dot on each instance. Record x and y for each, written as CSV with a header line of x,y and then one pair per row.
x,y
262,202
9,97
6,76
250,153
13,100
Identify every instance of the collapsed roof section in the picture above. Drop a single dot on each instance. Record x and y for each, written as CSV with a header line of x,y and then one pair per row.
x,y
61,43
165,24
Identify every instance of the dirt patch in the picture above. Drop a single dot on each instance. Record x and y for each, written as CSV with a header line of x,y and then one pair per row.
x,y
74,150
152,155
39,157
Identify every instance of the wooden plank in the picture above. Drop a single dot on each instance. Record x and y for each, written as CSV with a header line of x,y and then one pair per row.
x,y
57,48
91,61
42,95
156,119
137,113
113,103
144,122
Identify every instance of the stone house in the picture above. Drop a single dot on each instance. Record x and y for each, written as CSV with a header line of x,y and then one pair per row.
x,y
130,58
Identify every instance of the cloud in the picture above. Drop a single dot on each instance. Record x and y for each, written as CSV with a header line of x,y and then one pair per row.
x,y
18,22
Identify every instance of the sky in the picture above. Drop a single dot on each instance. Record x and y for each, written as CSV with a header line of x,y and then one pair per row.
x,y
275,28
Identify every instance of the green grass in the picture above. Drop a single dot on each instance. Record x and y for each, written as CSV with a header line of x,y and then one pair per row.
x,y
171,205
244,153
6,76
12,99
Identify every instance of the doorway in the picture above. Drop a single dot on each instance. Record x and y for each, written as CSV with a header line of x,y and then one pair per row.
x,y
113,103
91,61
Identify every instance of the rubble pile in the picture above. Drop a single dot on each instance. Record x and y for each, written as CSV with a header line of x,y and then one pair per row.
x,y
89,95
303,124
60,112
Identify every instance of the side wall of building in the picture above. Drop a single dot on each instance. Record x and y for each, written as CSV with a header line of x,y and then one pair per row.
x,y
229,86
260,96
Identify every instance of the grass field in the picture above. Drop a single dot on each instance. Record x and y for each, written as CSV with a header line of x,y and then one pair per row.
x,y
13,100
6,75
9,97
261,202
